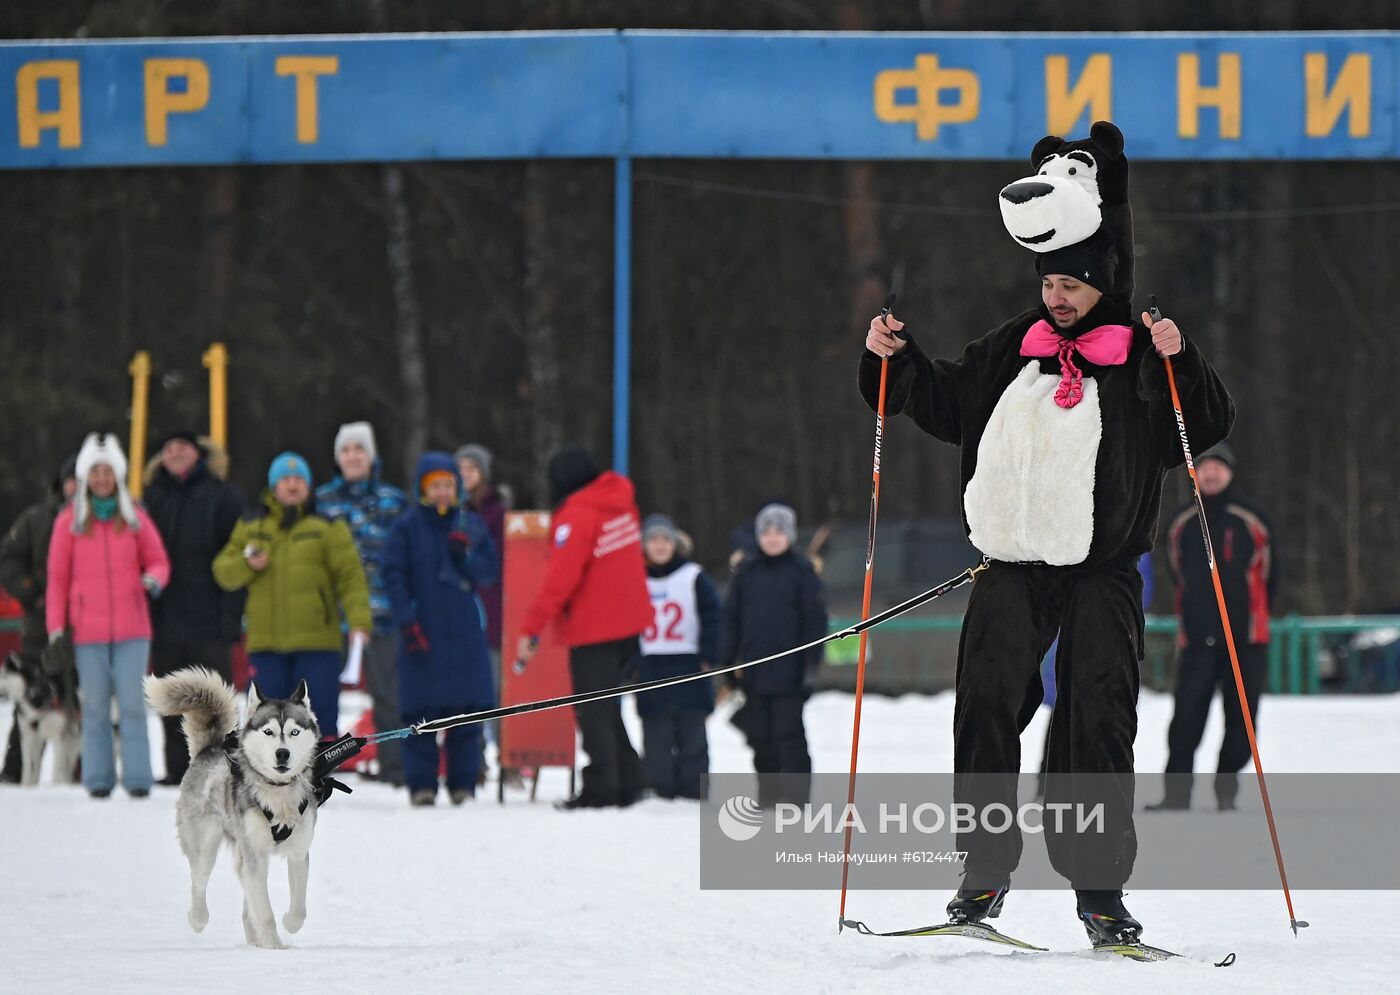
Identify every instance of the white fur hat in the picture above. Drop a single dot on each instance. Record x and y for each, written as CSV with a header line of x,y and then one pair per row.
x,y
102,450
361,432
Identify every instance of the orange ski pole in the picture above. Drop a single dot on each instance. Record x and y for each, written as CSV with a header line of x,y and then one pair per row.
x,y
1293,919
865,613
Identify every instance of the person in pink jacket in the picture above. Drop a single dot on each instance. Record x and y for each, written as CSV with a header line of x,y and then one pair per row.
x,y
105,559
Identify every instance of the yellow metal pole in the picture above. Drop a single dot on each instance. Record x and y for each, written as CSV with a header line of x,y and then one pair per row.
x,y
140,370
216,361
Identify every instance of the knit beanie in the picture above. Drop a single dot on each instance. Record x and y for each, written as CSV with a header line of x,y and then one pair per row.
x,y
361,432
184,435
479,455
1093,261
776,516
659,525
570,469
288,464
1220,451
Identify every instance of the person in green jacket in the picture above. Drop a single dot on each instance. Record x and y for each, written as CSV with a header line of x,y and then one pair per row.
x,y
301,571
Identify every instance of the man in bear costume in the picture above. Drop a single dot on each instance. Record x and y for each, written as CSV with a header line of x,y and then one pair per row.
x,y
1066,430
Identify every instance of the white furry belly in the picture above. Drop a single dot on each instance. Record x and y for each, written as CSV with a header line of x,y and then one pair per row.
x,y
1031,498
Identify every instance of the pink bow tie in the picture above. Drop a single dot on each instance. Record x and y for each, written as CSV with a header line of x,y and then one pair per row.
x,y
1106,345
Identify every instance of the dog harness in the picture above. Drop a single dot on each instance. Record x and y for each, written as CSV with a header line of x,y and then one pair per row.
x,y
280,833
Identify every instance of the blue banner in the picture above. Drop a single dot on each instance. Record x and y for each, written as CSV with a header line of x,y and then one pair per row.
x,y
693,94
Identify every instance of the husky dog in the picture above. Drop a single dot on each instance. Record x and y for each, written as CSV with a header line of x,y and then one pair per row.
x,y
42,719
252,788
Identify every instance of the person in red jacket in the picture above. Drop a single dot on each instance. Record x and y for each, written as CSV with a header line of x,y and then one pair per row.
x,y
105,559
596,584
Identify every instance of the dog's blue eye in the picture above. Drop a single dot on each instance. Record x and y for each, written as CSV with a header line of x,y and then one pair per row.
x,y
267,732
294,732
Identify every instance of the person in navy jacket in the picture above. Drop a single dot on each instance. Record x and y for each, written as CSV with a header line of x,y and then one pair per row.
x,y
435,557
774,602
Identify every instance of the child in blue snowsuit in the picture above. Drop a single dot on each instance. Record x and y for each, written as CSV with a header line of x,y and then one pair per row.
x,y
682,639
435,557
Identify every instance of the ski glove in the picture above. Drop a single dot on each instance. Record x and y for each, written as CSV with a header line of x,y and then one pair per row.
x,y
151,585
457,544
415,640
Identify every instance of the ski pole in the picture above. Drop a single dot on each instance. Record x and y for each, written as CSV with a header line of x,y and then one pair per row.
x,y
1294,921
865,608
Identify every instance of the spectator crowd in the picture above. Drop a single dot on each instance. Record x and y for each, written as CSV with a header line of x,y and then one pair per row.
x,y
408,584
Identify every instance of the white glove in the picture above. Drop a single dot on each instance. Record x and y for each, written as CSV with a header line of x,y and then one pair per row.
x,y
151,585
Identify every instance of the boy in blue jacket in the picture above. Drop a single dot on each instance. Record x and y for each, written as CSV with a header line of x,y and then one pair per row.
x,y
435,557
775,602
682,639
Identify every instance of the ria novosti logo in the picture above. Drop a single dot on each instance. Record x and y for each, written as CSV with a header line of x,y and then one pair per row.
x,y
740,818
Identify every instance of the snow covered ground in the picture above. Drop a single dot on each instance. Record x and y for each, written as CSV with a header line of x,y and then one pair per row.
x,y
523,898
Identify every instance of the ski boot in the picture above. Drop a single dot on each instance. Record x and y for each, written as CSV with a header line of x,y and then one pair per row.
x,y
1106,920
971,905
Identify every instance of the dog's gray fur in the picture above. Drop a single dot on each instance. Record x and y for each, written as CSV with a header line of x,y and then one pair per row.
x,y
42,720
229,794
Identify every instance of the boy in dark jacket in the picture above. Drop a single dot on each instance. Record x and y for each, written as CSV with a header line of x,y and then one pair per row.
x,y
774,602
682,639
435,558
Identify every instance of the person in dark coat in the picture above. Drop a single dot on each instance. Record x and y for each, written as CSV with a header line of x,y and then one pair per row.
x,y
595,584
196,621
24,557
775,602
682,639
435,558
474,463
481,496
1248,563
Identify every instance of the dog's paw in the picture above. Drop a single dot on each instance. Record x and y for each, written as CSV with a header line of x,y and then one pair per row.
x,y
271,942
293,921
199,918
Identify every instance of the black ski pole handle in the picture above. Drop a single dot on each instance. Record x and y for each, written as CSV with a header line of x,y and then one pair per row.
x,y
889,306
1153,311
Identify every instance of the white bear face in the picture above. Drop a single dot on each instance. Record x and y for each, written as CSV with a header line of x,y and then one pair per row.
x,y
1078,166
1059,206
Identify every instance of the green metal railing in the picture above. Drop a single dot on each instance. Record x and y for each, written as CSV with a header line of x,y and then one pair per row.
x,y
1295,647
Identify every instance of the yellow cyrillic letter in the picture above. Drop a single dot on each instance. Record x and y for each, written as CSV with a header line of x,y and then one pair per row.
x,y
1191,96
306,68
161,102
926,79
66,118
1094,91
1352,92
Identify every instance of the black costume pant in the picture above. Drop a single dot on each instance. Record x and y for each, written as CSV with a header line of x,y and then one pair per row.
x,y
168,657
1012,617
676,753
1200,670
614,773
779,742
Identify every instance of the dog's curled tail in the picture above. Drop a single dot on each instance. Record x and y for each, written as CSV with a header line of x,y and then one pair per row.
x,y
208,704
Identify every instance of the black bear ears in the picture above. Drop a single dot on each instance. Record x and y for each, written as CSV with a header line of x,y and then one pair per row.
x,y
1104,134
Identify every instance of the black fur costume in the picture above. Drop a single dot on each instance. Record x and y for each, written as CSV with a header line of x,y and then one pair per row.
x,y
1069,502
